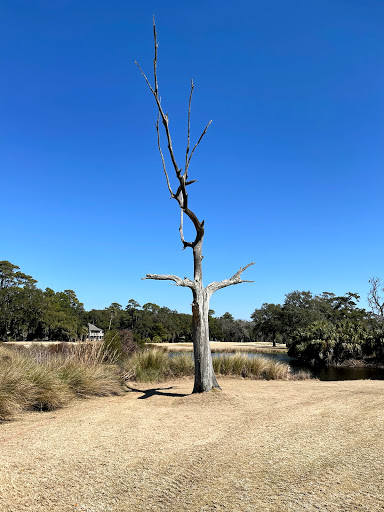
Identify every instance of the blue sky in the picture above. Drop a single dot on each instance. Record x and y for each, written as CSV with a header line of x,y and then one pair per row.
x,y
290,173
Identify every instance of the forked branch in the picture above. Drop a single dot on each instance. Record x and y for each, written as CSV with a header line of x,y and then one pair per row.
x,y
181,195
167,277
235,279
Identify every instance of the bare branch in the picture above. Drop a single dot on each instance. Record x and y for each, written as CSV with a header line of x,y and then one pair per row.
x,y
168,133
155,92
235,279
185,244
155,58
179,282
189,128
181,227
375,301
162,157
146,79
198,142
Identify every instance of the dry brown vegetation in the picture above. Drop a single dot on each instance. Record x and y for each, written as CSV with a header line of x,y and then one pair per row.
x,y
47,378
271,446
226,346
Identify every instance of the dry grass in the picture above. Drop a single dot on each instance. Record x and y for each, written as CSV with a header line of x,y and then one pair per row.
x,y
258,446
255,368
47,378
35,378
224,346
154,365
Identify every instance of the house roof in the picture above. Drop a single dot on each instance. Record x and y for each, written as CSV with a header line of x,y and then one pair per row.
x,y
92,327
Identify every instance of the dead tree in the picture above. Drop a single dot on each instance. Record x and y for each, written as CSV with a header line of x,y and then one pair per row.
x,y
205,378
375,301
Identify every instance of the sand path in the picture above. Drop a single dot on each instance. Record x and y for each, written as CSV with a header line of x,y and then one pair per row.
x,y
256,446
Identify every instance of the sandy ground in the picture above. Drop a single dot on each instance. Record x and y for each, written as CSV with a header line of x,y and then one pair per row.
x,y
256,446
224,345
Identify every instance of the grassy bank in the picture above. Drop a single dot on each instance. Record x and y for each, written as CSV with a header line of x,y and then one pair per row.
x,y
38,378
47,378
155,365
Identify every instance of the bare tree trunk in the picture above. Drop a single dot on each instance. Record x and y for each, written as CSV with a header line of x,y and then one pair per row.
x,y
205,378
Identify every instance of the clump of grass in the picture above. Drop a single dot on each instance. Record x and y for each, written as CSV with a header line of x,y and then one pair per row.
x,y
49,392
94,380
46,380
182,365
15,389
148,366
89,354
253,368
302,375
155,366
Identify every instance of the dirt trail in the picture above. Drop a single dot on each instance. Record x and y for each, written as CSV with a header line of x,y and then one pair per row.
x,y
256,446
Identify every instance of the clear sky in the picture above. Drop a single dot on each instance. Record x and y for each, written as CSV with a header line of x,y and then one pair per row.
x,y
290,173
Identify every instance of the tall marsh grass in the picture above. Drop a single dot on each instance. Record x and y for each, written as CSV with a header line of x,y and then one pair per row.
x,y
48,378
155,365
254,368
44,379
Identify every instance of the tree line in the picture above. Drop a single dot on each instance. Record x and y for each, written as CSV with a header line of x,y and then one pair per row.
x,y
324,328
29,313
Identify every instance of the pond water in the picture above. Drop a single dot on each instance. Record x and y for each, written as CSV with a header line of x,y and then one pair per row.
x,y
323,373
327,372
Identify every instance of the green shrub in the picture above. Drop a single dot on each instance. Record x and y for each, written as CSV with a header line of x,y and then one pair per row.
x,y
120,344
326,343
374,344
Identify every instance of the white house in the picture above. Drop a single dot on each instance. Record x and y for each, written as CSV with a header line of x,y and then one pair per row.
x,y
94,333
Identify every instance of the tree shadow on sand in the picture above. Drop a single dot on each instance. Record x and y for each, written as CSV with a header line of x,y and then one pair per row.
x,y
147,393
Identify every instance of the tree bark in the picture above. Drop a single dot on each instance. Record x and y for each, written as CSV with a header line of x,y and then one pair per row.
x,y
205,378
